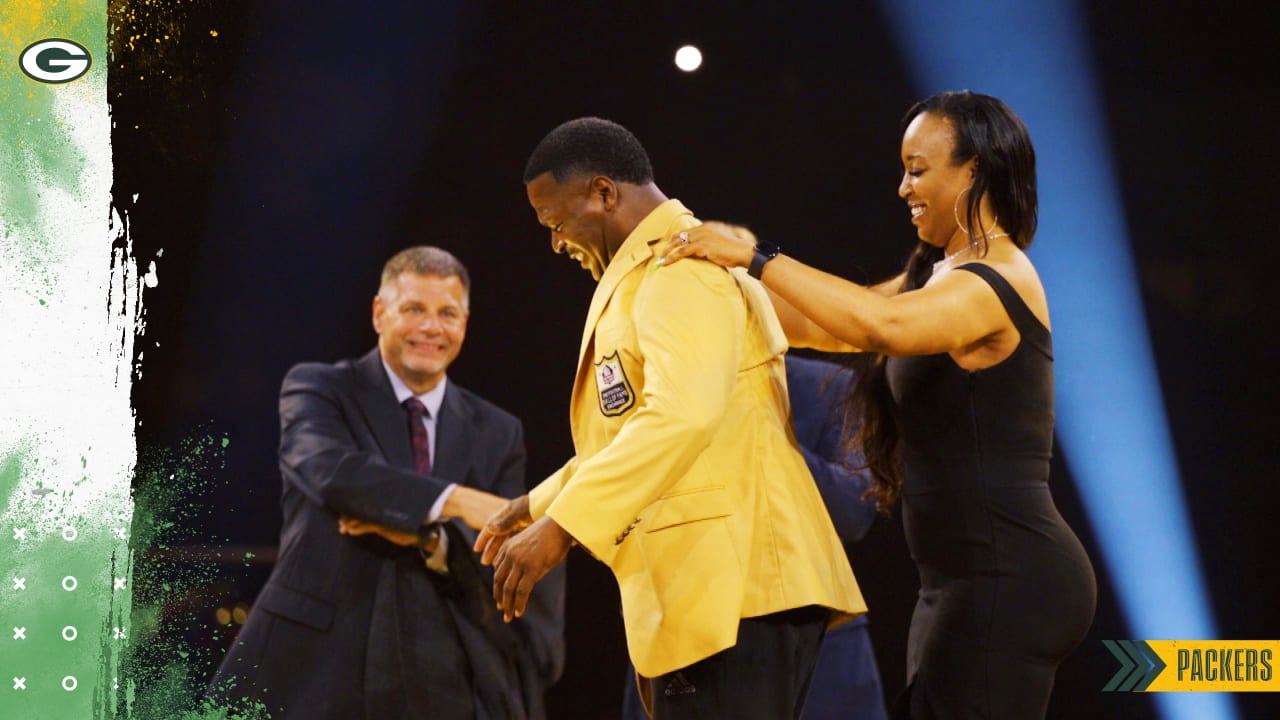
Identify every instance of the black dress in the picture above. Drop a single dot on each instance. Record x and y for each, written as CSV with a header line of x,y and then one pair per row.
x,y
1006,589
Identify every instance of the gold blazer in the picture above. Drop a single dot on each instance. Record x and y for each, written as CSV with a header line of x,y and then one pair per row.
x,y
687,480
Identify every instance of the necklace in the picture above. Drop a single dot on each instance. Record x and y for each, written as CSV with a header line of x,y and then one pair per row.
x,y
946,261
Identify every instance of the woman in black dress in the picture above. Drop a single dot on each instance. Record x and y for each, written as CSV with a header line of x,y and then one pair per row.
x,y
957,410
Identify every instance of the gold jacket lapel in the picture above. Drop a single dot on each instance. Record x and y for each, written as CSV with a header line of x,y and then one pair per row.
x,y
636,250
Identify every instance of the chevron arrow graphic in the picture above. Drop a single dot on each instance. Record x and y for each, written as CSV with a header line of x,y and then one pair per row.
x,y
1156,663
1139,661
1126,665
1139,666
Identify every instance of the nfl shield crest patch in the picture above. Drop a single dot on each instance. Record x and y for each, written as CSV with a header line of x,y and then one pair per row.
x,y
616,394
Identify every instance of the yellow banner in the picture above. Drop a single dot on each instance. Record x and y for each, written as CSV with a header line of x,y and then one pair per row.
x,y
1217,666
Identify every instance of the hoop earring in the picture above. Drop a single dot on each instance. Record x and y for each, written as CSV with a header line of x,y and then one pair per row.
x,y
955,210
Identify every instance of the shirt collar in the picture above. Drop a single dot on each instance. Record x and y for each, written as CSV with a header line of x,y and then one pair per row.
x,y
432,398
655,226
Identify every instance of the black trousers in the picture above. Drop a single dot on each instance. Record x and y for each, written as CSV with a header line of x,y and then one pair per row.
x,y
766,675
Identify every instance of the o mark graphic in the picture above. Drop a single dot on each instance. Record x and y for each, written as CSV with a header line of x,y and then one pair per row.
x,y
69,633
69,683
69,583
55,60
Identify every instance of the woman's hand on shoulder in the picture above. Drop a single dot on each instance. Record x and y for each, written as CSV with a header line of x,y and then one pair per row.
x,y
725,245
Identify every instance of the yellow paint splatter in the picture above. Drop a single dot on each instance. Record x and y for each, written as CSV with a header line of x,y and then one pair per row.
x,y
213,33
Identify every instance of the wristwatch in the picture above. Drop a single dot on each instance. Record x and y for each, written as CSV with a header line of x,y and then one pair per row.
x,y
765,251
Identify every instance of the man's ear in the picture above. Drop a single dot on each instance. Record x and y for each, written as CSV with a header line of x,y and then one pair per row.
x,y
378,309
606,190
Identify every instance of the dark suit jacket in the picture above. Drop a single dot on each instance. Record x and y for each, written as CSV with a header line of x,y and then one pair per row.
x,y
846,681
818,389
358,627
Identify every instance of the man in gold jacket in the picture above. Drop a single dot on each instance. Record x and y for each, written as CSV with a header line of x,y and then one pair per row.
x,y
687,480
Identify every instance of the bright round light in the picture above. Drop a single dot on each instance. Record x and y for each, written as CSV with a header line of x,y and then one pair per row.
x,y
688,58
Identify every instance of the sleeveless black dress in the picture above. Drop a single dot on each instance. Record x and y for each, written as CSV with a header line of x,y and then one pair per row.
x,y
1006,589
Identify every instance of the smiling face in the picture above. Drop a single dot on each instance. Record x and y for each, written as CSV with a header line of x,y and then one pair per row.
x,y
931,184
577,213
421,322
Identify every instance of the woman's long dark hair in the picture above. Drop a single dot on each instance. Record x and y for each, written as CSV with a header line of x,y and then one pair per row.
x,y
987,129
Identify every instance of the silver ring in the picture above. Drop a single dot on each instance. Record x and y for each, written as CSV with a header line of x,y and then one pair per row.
x,y
684,238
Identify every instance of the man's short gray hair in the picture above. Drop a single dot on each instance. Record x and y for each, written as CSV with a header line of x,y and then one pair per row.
x,y
426,260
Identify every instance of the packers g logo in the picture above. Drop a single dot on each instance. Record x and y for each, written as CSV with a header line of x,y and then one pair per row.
x,y
55,60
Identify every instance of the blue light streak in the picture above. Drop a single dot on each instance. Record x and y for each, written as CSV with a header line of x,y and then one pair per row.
x,y
1110,414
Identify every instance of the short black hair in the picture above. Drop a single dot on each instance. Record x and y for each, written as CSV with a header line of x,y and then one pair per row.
x,y
590,145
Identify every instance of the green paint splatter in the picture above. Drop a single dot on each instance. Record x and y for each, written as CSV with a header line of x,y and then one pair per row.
x,y
173,650
64,597
166,581
37,154
116,605
13,466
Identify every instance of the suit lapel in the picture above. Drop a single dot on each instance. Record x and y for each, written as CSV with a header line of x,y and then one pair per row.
x,y
454,436
633,252
386,418
636,250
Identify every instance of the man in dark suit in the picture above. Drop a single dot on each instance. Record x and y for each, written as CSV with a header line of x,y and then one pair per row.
x,y
846,682
377,608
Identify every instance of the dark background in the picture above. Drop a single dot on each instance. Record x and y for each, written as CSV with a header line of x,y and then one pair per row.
x,y
280,161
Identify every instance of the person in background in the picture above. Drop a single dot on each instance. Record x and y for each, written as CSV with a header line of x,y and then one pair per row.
x,y
377,608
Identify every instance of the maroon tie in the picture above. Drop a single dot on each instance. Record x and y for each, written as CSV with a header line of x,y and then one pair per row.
x,y
418,435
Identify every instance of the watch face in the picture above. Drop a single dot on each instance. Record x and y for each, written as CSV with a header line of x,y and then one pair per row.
x,y
766,248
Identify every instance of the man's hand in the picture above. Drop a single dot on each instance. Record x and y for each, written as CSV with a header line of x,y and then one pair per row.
x,y
509,520
353,526
523,560
472,506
